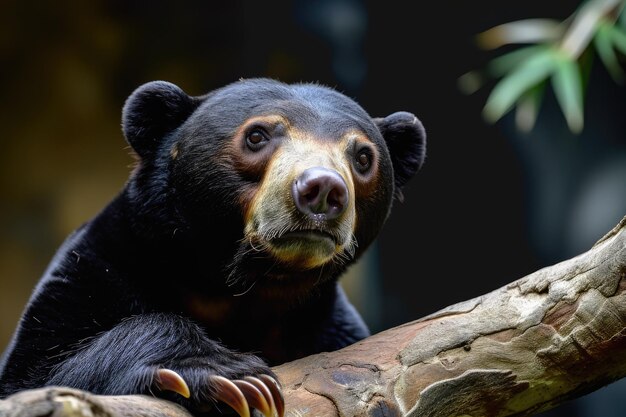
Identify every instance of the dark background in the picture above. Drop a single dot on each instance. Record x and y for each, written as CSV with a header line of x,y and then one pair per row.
x,y
489,206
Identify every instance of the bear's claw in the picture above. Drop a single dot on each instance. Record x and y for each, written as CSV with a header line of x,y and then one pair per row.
x,y
168,380
262,393
265,391
226,391
276,393
255,397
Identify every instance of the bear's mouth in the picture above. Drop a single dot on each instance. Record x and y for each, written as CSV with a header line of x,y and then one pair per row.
x,y
300,243
314,236
304,248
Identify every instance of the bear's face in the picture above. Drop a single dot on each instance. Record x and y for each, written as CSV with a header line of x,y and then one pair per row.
x,y
295,178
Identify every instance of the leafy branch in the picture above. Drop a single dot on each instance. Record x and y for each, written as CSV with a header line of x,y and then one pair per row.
x,y
555,52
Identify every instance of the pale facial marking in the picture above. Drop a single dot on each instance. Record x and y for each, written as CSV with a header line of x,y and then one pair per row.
x,y
273,212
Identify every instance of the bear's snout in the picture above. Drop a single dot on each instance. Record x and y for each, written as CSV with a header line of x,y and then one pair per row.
x,y
320,193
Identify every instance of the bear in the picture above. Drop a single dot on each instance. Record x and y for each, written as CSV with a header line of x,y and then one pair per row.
x,y
221,255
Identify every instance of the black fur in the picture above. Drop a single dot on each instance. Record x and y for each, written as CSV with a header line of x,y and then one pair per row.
x,y
152,111
406,140
117,301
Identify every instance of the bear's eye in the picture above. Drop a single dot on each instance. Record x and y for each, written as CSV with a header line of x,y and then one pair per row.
x,y
256,139
363,160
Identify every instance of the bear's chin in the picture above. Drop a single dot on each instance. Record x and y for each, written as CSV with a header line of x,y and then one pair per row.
x,y
304,249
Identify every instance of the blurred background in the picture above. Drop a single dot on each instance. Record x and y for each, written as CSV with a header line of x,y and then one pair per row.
x,y
492,203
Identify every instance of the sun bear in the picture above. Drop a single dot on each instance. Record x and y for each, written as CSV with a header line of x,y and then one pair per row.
x,y
220,257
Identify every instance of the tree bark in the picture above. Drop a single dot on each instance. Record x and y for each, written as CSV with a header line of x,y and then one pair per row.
x,y
551,336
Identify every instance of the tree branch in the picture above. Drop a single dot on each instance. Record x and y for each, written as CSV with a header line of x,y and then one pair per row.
x,y
551,336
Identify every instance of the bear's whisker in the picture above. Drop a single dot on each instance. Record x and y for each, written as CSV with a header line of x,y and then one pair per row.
x,y
246,291
253,247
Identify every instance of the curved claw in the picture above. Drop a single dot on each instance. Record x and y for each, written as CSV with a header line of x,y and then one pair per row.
x,y
255,398
264,390
168,380
227,392
277,394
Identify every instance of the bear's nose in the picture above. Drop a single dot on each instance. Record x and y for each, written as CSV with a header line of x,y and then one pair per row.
x,y
320,191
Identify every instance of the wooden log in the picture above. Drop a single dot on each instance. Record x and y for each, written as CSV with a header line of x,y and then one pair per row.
x,y
551,336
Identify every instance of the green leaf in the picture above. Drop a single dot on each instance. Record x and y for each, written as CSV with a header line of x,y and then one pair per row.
x,y
618,36
505,63
521,31
529,73
470,82
603,41
585,63
528,108
567,85
622,19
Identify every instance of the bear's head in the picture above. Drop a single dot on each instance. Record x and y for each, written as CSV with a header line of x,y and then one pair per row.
x,y
280,184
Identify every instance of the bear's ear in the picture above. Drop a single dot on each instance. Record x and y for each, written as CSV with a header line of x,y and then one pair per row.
x,y
406,140
151,112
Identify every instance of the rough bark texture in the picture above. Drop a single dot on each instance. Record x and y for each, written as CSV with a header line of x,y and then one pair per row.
x,y
551,336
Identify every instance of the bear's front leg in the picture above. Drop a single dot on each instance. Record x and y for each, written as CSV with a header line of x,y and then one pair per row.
x,y
163,353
